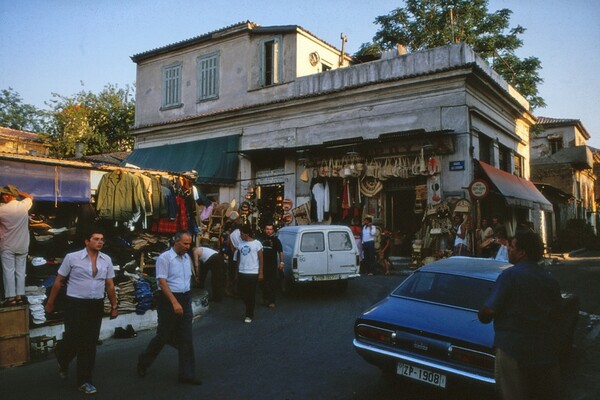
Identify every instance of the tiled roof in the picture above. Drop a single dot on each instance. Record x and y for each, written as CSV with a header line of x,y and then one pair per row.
x,y
21,135
547,121
248,26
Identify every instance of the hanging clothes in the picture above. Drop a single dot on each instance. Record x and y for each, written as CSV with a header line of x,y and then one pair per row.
x,y
120,196
320,193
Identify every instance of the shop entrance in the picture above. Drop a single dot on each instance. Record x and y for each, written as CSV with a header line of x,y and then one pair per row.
x,y
401,220
269,205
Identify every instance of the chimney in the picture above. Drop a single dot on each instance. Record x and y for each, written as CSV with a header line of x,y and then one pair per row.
x,y
401,49
78,150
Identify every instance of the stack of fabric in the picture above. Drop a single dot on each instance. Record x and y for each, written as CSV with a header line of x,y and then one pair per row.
x,y
35,298
143,295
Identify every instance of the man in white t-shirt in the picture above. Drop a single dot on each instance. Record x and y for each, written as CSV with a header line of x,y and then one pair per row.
x,y
14,241
250,270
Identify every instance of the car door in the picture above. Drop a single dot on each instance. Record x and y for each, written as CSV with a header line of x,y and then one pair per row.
x,y
342,257
312,257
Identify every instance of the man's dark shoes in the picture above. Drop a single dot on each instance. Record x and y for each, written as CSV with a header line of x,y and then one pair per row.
x,y
190,381
141,370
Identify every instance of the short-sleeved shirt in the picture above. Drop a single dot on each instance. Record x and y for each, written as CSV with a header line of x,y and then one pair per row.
x,y
526,301
176,269
14,225
249,263
271,249
77,266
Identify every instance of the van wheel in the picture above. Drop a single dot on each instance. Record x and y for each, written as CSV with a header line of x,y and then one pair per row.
x,y
342,286
288,286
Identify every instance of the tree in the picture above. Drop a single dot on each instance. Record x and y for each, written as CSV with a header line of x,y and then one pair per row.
x,y
15,114
423,24
102,122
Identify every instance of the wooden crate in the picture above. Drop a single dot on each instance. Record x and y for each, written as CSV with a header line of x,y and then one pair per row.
x,y
14,321
14,351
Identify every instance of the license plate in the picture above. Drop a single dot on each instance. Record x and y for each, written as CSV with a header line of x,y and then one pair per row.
x,y
327,277
420,374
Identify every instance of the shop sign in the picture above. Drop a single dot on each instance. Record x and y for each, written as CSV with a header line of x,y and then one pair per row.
x,y
457,165
479,189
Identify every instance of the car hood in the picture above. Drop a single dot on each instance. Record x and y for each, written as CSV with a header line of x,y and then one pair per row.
x,y
438,320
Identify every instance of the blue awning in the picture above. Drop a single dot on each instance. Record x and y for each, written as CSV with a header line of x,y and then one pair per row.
x,y
47,182
215,160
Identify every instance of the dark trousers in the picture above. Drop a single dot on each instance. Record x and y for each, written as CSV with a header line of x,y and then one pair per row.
x,y
216,265
83,318
247,290
270,283
370,261
173,330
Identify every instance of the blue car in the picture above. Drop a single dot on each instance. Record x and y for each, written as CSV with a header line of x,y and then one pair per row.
x,y
427,329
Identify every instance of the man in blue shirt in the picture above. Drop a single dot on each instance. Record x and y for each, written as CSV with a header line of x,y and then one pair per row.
x,y
174,309
525,306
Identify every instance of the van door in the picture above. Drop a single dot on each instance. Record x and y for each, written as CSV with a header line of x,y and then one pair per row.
x,y
342,257
312,257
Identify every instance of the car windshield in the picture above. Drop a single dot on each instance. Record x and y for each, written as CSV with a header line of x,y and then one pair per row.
x,y
454,290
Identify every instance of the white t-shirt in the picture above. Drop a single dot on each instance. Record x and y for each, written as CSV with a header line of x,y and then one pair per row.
x,y
249,263
14,225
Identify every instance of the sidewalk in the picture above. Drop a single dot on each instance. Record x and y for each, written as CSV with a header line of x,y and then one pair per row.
x,y
148,320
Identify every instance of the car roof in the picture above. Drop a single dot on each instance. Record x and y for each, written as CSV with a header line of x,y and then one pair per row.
x,y
483,268
303,228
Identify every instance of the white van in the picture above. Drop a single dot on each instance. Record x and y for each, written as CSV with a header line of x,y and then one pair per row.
x,y
318,253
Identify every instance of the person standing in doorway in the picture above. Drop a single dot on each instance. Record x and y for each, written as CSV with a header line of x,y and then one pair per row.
x,y
174,308
250,270
368,242
273,265
14,242
88,274
525,306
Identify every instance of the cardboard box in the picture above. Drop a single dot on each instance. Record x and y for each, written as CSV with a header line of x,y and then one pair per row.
x,y
14,351
14,321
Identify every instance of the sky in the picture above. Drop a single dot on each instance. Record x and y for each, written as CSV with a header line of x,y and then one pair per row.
x,y
65,46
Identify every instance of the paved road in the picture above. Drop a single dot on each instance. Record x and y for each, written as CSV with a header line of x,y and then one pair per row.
x,y
300,350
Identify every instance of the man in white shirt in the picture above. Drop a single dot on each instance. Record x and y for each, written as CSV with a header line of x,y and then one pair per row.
x,y
14,241
174,308
250,270
88,274
368,241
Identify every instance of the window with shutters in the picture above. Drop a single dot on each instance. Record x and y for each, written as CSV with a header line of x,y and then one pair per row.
x,y
208,76
270,61
171,86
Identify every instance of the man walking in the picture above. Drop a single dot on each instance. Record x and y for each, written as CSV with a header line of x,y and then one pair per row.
x,y
251,270
525,306
14,242
368,241
174,308
88,274
273,265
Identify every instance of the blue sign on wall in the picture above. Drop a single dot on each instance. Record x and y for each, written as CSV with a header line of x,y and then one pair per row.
x,y
457,165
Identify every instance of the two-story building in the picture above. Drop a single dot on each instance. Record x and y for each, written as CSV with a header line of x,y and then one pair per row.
x,y
277,113
562,167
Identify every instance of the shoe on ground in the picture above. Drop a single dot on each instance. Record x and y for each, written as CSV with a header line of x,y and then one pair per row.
x,y
248,320
190,381
141,370
87,388
63,373
271,305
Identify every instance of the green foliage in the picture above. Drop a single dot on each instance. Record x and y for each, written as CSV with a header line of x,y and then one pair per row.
x,y
17,115
423,24
102,121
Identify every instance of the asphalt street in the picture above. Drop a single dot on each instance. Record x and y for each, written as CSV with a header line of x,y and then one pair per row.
x,y
302,349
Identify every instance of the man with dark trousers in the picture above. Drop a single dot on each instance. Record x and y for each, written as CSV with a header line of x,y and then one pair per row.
x,y
174,308
272,265
525,305
88,274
